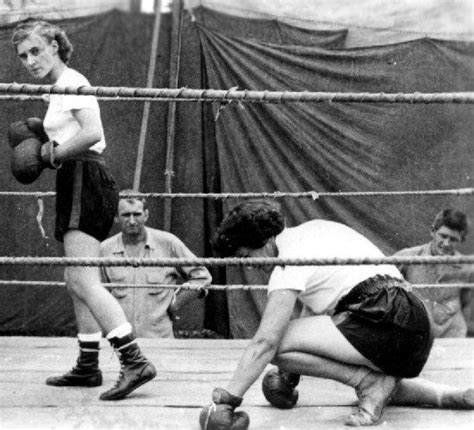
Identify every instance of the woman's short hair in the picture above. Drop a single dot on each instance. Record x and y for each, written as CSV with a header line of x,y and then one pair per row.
x,y
453,219
48,31
250,224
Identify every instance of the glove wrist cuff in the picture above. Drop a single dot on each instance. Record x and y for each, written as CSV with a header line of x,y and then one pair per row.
x,y
48,155
52,160
221,396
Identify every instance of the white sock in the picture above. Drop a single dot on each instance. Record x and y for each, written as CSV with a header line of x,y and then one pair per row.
x,y
89,337
120,331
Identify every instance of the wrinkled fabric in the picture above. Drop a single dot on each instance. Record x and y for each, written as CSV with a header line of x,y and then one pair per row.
x,y
388,324
250,147
331,147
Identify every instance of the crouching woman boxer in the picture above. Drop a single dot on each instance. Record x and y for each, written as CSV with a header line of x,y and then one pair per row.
x,y
361,325
86,202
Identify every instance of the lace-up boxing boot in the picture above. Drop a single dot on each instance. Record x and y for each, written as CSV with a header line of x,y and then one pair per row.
x,y
85,373
135,369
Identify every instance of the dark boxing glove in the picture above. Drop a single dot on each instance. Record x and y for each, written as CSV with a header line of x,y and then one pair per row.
x,y
278,388
21,130
220,414
36,126
18,132
26,161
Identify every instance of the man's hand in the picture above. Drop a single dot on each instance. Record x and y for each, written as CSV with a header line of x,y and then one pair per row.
x,y
174,307
183,296
221,415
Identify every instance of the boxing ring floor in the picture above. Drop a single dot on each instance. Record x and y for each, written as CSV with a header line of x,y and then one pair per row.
x,y
188,370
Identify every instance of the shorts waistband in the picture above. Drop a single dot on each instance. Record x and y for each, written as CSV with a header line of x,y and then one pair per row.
x,y
89,156
370,285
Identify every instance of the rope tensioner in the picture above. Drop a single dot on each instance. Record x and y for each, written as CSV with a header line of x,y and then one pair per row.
x,y
231,95
233,261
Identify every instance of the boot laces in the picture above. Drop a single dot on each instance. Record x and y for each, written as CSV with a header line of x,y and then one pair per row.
x,y
121,376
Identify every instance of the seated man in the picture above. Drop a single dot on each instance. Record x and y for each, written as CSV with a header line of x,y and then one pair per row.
x,y
361,324
448,307
151,310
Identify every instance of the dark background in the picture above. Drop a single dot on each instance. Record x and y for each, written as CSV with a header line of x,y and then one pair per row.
x,y
250,147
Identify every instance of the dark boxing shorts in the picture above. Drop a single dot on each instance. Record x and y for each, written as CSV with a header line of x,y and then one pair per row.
x,y
387,324
86,197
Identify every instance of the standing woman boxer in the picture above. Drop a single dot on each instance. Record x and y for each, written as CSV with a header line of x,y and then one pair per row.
x,y
86,202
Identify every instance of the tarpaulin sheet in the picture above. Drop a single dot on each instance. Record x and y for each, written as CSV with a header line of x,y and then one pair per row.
x,y
110,49
252,147
369,22
330,147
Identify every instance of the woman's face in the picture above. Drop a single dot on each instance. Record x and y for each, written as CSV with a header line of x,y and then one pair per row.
x,y
37,55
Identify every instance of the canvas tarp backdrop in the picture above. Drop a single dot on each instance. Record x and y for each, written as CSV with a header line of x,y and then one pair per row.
x,y
250,147
337,147
111,49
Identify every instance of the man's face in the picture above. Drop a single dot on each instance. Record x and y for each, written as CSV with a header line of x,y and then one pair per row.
x,y
131,217
445,241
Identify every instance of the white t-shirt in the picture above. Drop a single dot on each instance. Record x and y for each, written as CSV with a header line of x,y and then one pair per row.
x,y
322,286
59,123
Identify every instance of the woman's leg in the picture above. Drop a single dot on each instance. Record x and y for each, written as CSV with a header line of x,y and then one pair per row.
x,y
318,335
421,392
314,346
86,323
85,284
86,372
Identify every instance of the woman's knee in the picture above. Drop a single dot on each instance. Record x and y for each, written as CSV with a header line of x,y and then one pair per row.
x,y
78,282
73,282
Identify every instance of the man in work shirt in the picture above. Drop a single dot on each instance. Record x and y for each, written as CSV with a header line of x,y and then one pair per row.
x,y
151,310
448,307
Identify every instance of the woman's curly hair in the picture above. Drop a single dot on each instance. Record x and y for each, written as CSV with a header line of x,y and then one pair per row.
x,y
250,224
48,31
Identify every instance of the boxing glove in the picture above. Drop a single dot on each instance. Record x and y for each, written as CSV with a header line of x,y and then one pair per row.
x,y
278,388
36,126
18,132
221,415
26,161
21,130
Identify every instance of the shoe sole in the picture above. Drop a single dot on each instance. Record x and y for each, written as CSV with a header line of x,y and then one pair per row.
x,y
52,383
126,393
49,384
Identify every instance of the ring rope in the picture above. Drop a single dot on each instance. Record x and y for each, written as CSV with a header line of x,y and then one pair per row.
x,y
35,98
277,194
216,287
232,261
232,94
